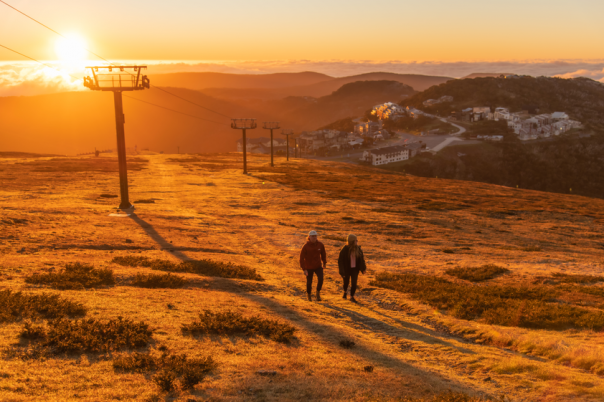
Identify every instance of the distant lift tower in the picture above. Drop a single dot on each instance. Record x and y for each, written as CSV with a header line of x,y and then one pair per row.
x,y
287,133
271,125
295,148
118,79
244,124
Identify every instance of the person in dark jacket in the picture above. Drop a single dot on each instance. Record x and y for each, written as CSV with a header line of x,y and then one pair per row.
x,y
312,261
350,262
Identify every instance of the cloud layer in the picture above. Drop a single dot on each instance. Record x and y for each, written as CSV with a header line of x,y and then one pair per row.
x,y
33,79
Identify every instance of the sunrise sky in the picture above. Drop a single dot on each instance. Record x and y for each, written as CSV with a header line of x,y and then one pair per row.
x,y
436,30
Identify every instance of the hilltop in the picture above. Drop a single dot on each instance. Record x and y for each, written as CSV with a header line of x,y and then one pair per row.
x,y
230,243
581,98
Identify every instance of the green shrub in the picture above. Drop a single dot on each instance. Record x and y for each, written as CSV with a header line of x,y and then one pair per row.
x,y
232,323
523,306
75,276
189,371
89,336
15,306
477,274
200,267
159,281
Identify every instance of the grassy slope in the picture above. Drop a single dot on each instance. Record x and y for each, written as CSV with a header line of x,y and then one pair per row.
x,y
261,221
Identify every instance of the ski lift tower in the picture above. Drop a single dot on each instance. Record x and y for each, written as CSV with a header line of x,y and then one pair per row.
x,y
287,133
271,125
244,124
118,79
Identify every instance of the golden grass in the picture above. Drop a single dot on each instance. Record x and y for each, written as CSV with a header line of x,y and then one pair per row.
x,y
260,221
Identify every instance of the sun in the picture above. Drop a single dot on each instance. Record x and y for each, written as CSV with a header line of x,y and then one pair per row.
x,y
71,49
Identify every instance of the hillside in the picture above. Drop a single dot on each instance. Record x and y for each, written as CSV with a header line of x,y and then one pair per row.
x,y
478,289
350,100
417,82
71,123
581,98
557,165
200,81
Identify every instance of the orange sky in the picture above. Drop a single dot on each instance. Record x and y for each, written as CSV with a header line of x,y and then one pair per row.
x,y
440,30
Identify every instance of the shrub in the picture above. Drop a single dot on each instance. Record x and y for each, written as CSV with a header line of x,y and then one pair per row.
x,y
75,276
477,274
566,278
523,306
91,335
232,323
15,306
189,371
347,344
448,397
159,281
200,267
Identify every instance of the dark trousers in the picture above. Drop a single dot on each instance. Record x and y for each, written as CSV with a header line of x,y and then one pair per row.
x,y
354,275
311,273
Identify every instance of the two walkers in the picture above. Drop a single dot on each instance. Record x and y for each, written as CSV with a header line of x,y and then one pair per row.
x,y
313,260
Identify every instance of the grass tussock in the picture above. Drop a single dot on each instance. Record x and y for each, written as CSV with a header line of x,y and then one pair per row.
x,y
75,276
477,274
567,278
170,369
517,306
87,335
233,323
15,306
347,344
159,281
448,397
200,267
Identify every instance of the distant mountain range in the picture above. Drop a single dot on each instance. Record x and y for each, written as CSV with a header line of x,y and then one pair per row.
x,y
75,122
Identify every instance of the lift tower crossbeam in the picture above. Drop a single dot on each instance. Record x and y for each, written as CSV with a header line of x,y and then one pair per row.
x,y
287,133
118,79
271,125
244,124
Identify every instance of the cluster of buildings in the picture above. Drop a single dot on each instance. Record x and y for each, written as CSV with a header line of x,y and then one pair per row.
x,y
539,126
525,126
388,111
372,129
396,153
442,99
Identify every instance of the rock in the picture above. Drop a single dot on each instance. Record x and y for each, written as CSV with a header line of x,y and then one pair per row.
x,y
266,372
487,379
129,241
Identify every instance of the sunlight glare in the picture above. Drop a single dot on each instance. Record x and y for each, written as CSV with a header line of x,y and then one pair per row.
x,y
71,49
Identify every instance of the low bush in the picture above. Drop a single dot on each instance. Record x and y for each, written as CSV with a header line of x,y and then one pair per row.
x,y
232,323
347,344
200,267
15,306
448,397
159,281
566,278
169,368
75,276
477,274
522,306
88,336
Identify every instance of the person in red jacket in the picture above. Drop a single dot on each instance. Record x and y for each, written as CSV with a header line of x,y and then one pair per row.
x,y
312,261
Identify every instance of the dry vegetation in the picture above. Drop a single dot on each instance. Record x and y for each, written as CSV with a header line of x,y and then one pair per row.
x,y
472,291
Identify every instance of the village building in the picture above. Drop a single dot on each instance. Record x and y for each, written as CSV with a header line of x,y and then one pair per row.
x,y
367,128
382,156
388,111
442,99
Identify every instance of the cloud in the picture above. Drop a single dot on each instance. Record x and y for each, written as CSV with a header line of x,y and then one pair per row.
x,y
597,75
33,79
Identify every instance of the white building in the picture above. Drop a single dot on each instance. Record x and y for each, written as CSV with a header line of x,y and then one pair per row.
x,y
382,156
